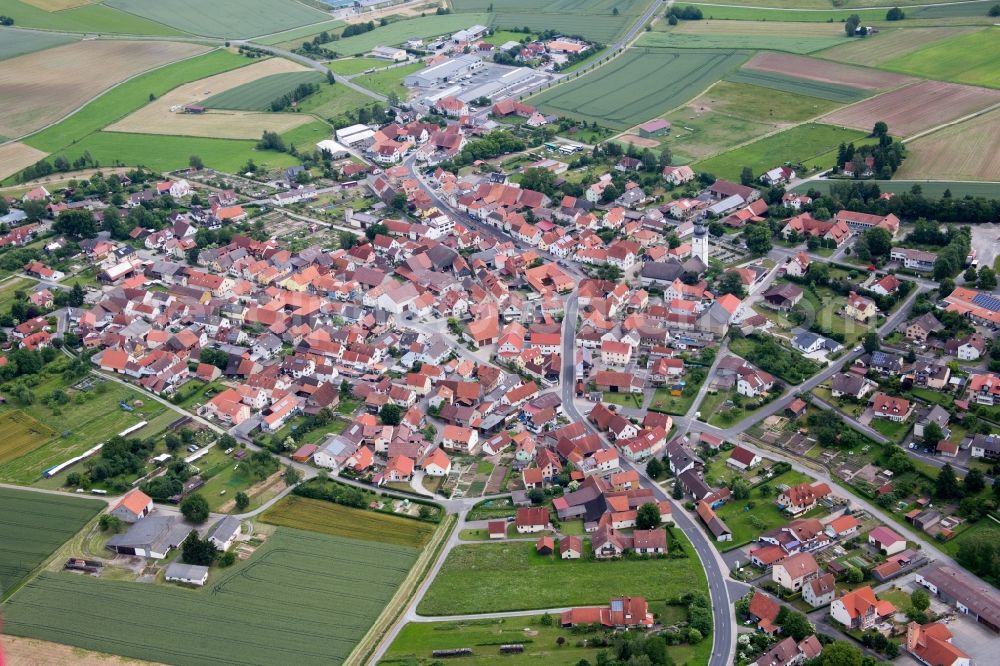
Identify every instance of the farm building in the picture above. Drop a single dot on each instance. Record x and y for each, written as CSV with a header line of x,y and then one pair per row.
x,y
968,594
152,537
224,532
654,128
133,507
191,574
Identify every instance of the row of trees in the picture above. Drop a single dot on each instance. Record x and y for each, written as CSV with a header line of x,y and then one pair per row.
x,y
292,98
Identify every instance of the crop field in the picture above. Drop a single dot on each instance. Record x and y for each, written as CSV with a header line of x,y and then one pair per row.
x,y
915,108
258,95
825,4
159,116
15,42
21,434
972,58
825,71
930,188
593,19
732,113
333,101
16,156
810,144
89,418
337,520
39,88
224,18
33,526
970,11
301,34
491,577
90,18
58,5
790,37
389,80
302,598
890,44
398,32
781,82
969,150
639,85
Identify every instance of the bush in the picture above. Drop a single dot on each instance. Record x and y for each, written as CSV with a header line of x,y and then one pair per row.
x,y
195,508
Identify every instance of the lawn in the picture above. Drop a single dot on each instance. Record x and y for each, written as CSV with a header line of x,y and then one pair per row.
x,y
89,18
122,100
984,526
598,20
225,18
750,517
715,413
812,145
416,642
666,403
633,400
638,85
766,352
894,431
833,92
9,288
972,58
90,417
350,66
302,598
389,81
18,42
342,521
520,579
258,95
33,527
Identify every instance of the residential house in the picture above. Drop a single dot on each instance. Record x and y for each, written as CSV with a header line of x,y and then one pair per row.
x,y
886,540
931,644
860,308
820,591
889,407
860,609
531,519
743,459
802,497
794,571
923,326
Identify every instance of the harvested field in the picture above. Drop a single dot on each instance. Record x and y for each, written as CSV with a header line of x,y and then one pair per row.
x,y
14,42
890,44
42,87
58,5
158,118
225,18
825,71
336,520
21,434
972,58
31,652
967,151
916,107
790,37
16,156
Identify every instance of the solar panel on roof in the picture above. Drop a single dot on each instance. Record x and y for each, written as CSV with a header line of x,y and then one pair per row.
x,y
991,303
616,605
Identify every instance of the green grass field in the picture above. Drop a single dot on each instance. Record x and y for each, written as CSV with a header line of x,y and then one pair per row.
x,y
594,19
306,136
824,5
822,12
389,81
350,66
90,18
303,34
805,38
225,18
639,85
333,101
302,598
15,42
890,44
416,642
258,95
130,96
337,520
89,418
747,524
810,144
931,188
22,434
34,525
828,91
398,32
481,578
972,59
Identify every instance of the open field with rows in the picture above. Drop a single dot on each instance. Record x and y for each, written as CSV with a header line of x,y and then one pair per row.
x,y
90,18
300,34
520,579
131,95
337,520
397,32
731,113
812,144
302,598
33,527
224,18
917,107
16,156
825,71
973,58
969,12
163,115
890,44
967,151
418,640
782,82
258,95
592,19
39,88
88,418
707,34
21,434
639,85
14,42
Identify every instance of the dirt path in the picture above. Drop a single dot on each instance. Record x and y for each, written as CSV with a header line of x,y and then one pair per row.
x,y
31,652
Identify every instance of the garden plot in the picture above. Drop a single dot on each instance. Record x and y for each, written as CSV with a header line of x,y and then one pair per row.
x,y
40,88
165,115
916,107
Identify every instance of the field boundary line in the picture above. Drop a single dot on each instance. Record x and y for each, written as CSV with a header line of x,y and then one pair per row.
x,y
957,121
397,606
